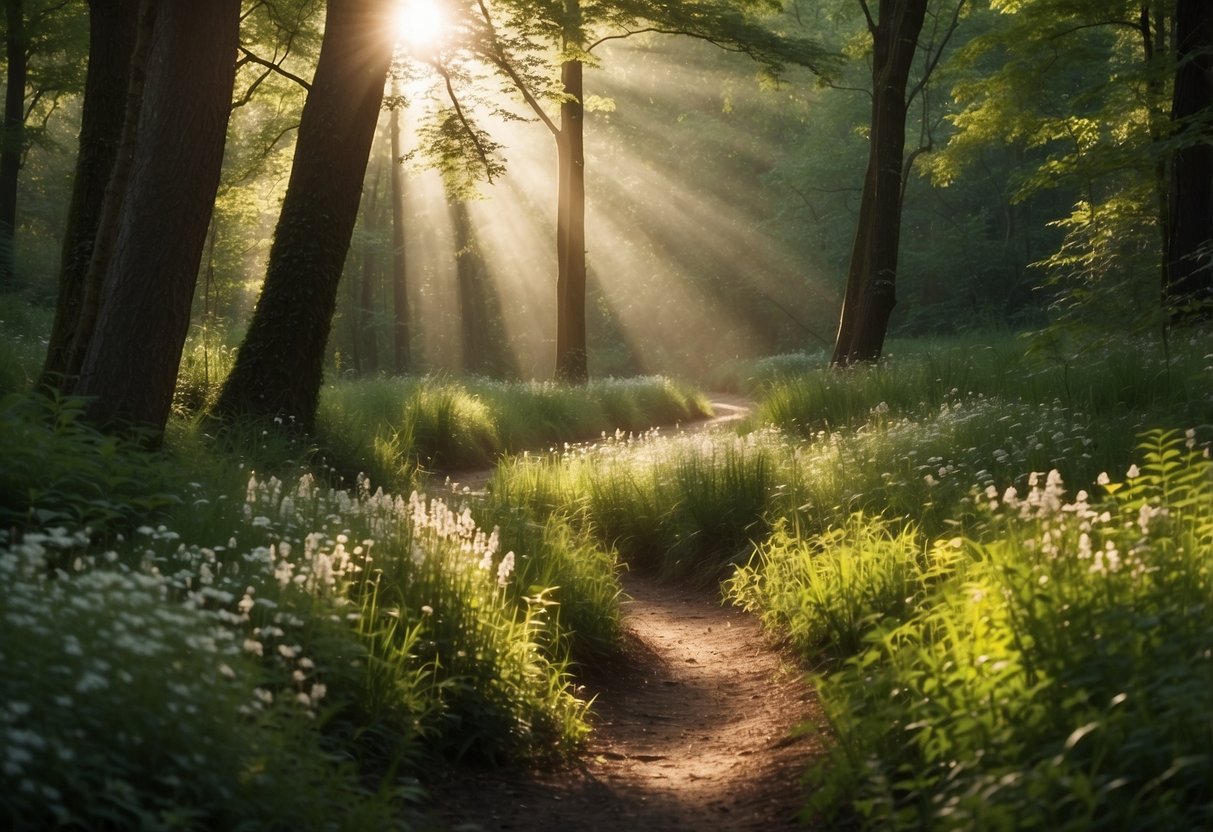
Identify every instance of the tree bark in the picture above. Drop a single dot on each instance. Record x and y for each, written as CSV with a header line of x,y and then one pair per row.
x,y
366,337
113,28
280,365
106,234
13,140
130,367
1188,287
400,286
571,352
872,277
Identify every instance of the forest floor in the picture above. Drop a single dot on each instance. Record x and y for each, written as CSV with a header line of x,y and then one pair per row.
x,y
694,728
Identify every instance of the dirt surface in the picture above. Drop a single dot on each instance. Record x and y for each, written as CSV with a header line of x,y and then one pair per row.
x,y
693,728
694,731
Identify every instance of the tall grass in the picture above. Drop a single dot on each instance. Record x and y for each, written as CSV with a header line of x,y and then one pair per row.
x,y
1113,380
688,504
391,427
1055,674
241,646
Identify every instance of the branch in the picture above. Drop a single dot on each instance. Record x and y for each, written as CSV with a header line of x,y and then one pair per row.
x,y
933,59
248,93
502,62
867,13
467,128
249,57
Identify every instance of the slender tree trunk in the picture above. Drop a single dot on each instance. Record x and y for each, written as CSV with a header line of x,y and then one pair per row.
x,y
571,353
13,140
1188,288
369,346
400,286
280,365
113,27
1153,26
473,323
131,363
872,277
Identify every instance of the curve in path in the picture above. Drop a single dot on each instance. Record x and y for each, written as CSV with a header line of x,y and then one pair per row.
x,y
693,731
693,727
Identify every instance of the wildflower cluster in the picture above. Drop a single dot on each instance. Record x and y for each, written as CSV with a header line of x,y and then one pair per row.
x,y
1067,652
166,653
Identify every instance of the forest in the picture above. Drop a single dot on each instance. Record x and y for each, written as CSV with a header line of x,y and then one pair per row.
x,y
606,414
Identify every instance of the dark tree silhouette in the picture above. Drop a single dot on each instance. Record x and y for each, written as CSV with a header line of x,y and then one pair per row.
x,y
1188,287
130,366
280,365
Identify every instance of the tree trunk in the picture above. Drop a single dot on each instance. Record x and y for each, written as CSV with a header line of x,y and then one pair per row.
x,y
400,286
13,139
368,343
872,277
571,355
131,363
108,222
1188,289
280,365
113,27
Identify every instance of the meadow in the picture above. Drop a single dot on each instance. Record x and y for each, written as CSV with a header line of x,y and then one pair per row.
x,y
994,562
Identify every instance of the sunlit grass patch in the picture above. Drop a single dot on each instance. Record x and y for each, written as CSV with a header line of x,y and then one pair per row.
x,y
1059,677
389,428
1133,375
684,504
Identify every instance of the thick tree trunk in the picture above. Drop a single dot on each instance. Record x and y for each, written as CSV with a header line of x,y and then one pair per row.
x,y
131,363
13,139
280,365
872,277
108,223
400,287
113,27
1188,289
571,354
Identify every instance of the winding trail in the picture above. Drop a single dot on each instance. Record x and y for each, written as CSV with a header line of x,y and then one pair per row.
x,y
693,729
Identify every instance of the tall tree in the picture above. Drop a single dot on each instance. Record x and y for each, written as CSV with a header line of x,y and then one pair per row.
x,y
130,366
279,367
401,334
112,36
13,140
574,30
872,276
1188,286
45,45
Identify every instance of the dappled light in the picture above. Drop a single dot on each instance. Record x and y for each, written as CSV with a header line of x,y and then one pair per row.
x,y
606,415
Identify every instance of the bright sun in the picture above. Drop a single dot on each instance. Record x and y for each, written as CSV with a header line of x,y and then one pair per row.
x,y
419,23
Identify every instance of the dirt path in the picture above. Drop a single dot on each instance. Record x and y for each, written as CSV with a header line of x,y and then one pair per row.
x,y
693,728
692,732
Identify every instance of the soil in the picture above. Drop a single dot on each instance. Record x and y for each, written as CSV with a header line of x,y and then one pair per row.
x,y
695,728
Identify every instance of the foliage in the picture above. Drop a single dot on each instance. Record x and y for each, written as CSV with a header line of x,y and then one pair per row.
x,y
260,641
1056,678
685,505
390,427
60,471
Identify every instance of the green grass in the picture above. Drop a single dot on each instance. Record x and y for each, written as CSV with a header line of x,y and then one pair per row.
x,y
288,634
1053,673
994,649
389,428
